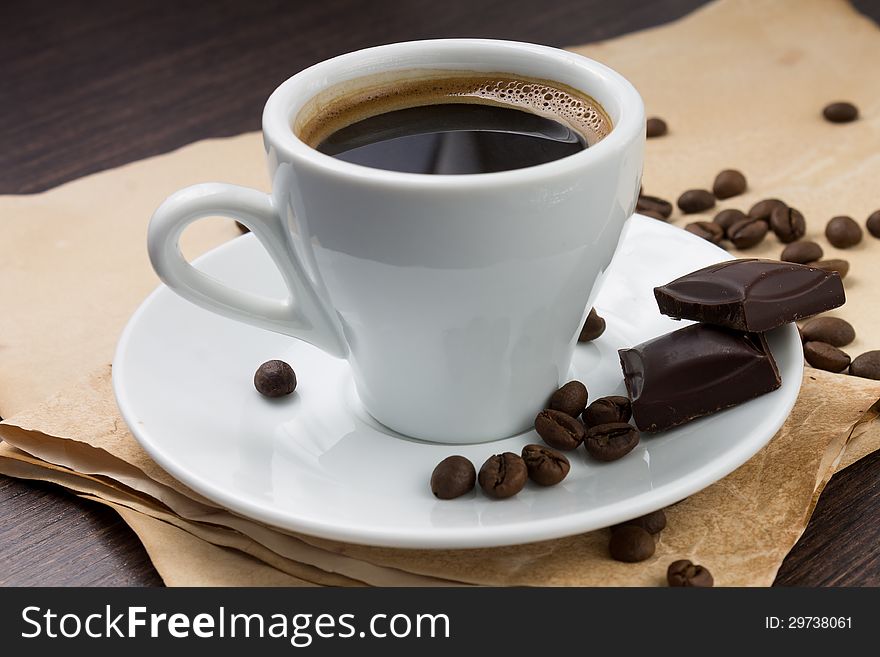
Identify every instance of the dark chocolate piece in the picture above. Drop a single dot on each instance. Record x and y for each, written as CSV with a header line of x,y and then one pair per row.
x,y
695,371
751,295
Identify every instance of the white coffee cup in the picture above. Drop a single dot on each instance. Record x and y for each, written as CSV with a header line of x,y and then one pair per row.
x,y
457,299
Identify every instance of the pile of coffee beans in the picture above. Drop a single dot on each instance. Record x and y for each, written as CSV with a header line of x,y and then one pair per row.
x,y
603,429
568,422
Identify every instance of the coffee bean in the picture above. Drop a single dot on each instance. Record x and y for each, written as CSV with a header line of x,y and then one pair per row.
x,y
825,356
729,183
571,398
609,442
708,230
867,365
747,233
275,378
653,214
653,522
843,232
802,252
559,430
788,224
594,326
686,573
453,477
840,112
607,410
763,209
242,227
503,475
696,200
546,466
655,127
631,544
873,224
832,330
840,266
654,204
726,218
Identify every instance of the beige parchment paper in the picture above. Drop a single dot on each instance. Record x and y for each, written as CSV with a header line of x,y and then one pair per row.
x,y
741,84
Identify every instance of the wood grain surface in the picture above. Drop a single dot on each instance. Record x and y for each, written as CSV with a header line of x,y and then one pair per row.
x,y
89,85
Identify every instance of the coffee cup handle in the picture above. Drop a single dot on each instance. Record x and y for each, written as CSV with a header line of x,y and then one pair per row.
x,y
303,314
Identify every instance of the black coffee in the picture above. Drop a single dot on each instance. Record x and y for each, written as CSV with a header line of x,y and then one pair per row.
x,y
457,125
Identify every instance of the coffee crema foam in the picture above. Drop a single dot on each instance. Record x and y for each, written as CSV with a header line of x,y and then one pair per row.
x,y
552,100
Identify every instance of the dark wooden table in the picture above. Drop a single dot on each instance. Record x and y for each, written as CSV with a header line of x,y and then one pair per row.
x,y
89,85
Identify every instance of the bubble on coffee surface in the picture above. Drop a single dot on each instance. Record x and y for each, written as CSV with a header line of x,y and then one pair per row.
x,y
543,98
553,100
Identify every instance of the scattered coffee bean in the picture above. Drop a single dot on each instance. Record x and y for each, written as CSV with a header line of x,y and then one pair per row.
x,y
841,112
802,252
843,232
631,544
453,477
696,200
655,127
726,218
686,573
607,410
832,330
546,467
654,204
571,398
729,183
763,209
747,233
594,326
653,214
788,224
708,230
867,365
873,224
609,442
503,475
840,266
559,429
653,523
825,356
242,227
275,378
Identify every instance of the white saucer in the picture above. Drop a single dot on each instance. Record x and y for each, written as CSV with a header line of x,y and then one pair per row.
x,y
316,463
